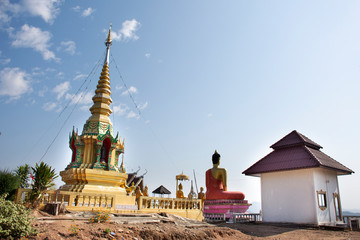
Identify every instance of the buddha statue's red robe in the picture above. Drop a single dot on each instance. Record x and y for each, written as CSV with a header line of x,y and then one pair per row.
x,y
214,189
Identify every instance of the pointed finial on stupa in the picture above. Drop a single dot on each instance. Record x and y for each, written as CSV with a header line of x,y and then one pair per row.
x,y
108,39
100,110
108,43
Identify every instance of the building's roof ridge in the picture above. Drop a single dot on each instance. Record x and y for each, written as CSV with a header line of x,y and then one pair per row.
x,y
295,138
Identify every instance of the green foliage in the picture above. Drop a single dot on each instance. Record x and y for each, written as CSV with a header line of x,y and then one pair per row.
x,y
107,230
23,173
100,216
44,176
9,182
14,220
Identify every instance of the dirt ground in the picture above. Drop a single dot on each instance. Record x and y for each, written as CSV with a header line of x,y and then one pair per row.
x,y
155,226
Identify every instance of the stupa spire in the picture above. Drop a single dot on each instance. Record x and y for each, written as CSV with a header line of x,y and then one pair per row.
x,y
100,110
108,43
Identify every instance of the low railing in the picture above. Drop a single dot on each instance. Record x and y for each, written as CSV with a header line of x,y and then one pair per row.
x,y
246,217
77,201
169,203
70,200
214,217
352,222
89,201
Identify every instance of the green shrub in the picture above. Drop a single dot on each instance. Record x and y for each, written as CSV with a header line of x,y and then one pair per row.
x,y
9,182
15,221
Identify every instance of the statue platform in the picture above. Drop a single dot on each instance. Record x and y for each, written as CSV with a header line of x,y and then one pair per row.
x,y
225,206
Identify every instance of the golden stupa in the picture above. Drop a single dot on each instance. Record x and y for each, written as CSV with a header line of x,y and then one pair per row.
x,y
95,153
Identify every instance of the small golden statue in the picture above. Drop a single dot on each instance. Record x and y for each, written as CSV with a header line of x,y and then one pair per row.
x,y
145,192
138,194
130,190
180,193
201,195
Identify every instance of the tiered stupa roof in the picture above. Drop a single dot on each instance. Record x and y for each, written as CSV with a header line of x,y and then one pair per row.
x,y
99,121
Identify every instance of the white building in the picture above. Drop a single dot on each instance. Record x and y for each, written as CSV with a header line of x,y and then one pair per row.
x,y
299,183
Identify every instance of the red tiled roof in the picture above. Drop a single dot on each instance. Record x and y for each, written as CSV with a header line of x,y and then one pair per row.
x,y
295,151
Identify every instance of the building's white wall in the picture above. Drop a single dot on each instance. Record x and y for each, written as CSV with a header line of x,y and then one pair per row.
x,y
326,180
288,196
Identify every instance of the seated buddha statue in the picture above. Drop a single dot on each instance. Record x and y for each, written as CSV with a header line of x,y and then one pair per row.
x,y
180,193
216,182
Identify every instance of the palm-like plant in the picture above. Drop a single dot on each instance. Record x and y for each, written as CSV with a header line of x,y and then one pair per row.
x,y
23,173
44,176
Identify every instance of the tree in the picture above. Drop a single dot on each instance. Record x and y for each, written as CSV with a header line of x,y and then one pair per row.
x,y
23,173
44,176
9,182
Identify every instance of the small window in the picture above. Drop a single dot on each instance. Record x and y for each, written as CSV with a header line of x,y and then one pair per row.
x,y
321,195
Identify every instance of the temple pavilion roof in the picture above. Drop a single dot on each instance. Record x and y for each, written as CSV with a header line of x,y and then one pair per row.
x,y
295,151
161,190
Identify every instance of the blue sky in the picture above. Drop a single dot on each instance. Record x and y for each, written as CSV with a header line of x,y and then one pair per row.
x,y
235,76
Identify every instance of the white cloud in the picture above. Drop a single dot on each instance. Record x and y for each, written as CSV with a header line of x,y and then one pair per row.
x,y
143,106
117,87
130,90
120,109
80,98
47,9
61,89
33,37
8,9
127,32
132,114
49,106
50,69
147,55
76,8
37,72
68,46
87,12
79,76
14,83
42,92
5,61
